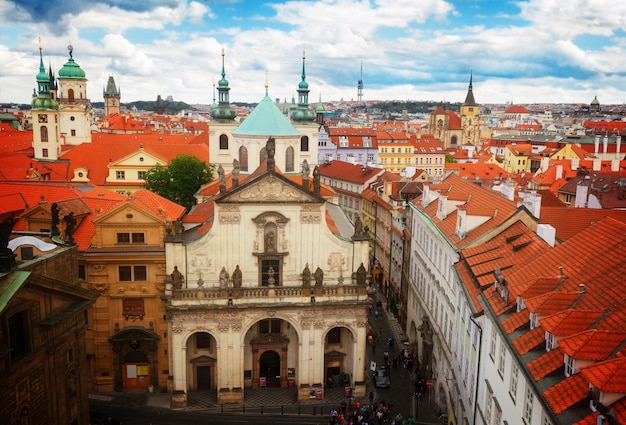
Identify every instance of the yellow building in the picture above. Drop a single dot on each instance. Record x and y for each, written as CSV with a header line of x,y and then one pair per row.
x,y
395,151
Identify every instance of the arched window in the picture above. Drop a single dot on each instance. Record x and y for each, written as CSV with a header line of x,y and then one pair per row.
x,y
262,155
243,158
223,141
44,133
453,140
70,94
304,144
289,160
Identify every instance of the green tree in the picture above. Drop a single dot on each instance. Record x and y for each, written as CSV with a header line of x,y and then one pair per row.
x,y
180,180
450,159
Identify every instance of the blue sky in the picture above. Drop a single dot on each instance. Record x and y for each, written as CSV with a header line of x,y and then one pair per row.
x,y
544,51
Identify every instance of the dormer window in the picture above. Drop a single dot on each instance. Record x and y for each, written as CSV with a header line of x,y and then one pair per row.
x,y
549,341
570,366
534,320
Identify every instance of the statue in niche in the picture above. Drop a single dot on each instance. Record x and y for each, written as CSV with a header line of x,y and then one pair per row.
x,y
222,178
270,243
319,277
316,179
224,278
177,278
237,277
54,225
306,275
270,273
361,275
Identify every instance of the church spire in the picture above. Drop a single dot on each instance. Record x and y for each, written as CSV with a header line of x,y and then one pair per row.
x,y
223,112
469,99
302,114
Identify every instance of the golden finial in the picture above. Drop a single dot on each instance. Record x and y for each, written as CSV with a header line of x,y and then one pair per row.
x,y
267,84
222,51
303,51
39,42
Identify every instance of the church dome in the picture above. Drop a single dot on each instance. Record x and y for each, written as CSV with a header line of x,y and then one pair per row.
x,y
595,101
71,70
44,103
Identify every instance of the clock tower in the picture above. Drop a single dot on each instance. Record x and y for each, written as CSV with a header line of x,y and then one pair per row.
x,y
74,106
112,97
45,117
470,124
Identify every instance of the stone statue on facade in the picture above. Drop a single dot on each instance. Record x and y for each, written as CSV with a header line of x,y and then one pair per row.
x,y
319,276
237,277
316,179
361,275
177,278
222,178
306,275
270,149
54,224
70,227
224,278
235,173
305,174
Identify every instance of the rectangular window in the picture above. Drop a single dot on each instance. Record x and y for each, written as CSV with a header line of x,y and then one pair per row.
x,y
120,175
269,326
19,336
73,133
569,365
125,273
528,406
334,336
141,175
81,272
513,383
549,341
492,346
140,273
138,238
203,340
270,272
26,252
123,238
502,359
488,405
44,153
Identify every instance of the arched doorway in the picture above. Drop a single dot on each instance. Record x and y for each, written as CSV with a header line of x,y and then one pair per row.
x,y
135,356
269,369
338,357
201,349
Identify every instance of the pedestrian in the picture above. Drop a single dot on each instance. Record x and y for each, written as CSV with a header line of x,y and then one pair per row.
x,y
371,397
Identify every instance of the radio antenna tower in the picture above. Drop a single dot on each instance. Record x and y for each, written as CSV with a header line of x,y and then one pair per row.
x,y
360,85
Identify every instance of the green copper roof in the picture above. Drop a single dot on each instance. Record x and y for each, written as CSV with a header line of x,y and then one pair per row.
x,y
266,120
71,70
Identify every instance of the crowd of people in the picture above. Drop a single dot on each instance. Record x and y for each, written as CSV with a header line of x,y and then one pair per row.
x,y
353,413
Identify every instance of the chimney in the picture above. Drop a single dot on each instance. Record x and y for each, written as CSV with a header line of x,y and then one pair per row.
x,y
605,144
559,172
581,287
561,272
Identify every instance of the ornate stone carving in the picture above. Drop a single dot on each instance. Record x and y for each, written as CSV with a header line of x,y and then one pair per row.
x,y
177,328
269,189
336,260
310,214
201,262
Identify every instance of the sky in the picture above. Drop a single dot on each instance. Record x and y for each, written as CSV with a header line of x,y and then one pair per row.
x,y
526,51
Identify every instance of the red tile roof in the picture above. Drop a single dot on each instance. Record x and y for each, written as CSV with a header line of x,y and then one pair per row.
x,y
546,364
566,393
594,345
530,340
348,172
608,376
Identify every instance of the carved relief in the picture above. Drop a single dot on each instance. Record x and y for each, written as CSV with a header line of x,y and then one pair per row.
x,y
201,262
177,328
310,214
270,188
100,287
336,260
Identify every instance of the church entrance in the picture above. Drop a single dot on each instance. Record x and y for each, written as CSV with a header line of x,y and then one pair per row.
x,y
269,369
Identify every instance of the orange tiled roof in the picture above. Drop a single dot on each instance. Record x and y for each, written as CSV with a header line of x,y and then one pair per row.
x,y
515,321
608,376
594,345
346,171
530,340
546,364
566,393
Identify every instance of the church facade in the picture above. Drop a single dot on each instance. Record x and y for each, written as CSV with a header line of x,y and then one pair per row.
x,y
272,291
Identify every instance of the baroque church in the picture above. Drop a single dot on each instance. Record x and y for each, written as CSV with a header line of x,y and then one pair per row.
x,y
296,138
272,289
60,108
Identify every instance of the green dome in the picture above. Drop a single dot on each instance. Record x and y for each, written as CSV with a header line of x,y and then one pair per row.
x,y
595,101
222,83
303,85
71,70
44,103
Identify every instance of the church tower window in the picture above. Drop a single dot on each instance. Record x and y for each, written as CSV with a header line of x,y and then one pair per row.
x,y
289,167
243,158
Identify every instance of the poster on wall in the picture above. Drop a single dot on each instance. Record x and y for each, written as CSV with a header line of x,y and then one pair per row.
x,y
142,370
131,371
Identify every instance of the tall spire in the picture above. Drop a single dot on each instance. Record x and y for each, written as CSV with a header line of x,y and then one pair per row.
x,y
360,85
223,112
469,99
43,99
302,114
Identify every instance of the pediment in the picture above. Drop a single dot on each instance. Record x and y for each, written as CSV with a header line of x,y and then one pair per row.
x,y
270,188
125,212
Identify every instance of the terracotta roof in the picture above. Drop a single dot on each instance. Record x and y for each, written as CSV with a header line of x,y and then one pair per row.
x,y
516,109
570,221
566,393
346,171
516,321
592,345
12,203
608,376
530,340
546,364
